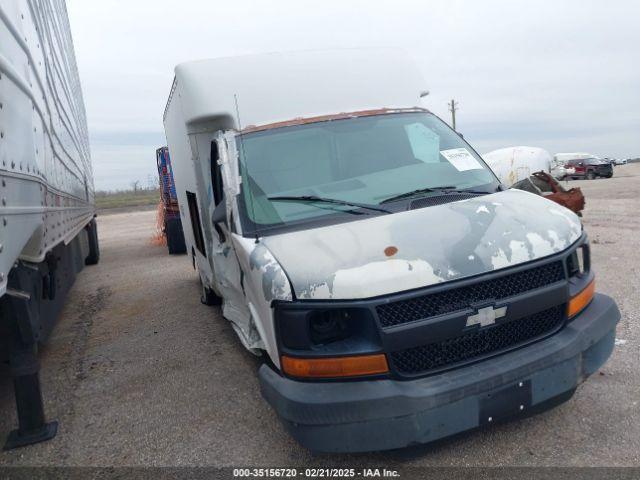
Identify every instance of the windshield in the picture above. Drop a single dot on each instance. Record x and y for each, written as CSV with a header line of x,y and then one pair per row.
x,y
361,160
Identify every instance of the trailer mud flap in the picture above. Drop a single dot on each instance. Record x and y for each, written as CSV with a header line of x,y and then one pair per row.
x,y
505,403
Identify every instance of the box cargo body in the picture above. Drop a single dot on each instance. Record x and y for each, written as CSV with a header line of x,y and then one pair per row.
x,y
399,292
47,226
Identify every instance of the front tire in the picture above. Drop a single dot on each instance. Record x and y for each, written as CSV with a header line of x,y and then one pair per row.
x,y
208,296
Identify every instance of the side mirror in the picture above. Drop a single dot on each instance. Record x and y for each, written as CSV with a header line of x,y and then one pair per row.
x,y
220,212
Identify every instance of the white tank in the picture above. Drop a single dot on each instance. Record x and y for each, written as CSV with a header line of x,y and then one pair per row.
x,y
513,164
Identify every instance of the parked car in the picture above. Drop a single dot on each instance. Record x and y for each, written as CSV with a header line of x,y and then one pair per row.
x,y
562,158
590,168
620,161
399,292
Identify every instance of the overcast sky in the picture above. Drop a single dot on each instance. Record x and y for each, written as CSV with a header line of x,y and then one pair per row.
x,y
561,75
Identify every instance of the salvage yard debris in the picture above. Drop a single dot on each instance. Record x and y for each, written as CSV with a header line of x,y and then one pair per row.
x,y
532,169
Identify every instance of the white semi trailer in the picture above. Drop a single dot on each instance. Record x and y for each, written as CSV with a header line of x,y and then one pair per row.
x,y
47,214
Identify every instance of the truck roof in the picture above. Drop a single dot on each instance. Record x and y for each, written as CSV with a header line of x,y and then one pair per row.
x,y
277,87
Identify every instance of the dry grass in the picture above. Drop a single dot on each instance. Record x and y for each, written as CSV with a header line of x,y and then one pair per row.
x,y
158,237
126,198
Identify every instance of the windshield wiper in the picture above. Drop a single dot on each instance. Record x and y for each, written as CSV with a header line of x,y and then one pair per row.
x,y
444,189
313,198
413,193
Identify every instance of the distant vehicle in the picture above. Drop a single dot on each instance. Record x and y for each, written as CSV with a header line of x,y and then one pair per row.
x,y
48,231
590,168
529,169
561,172
562,158
172,225
619,161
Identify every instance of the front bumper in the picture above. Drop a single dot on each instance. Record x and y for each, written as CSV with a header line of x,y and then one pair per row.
x,y
367,415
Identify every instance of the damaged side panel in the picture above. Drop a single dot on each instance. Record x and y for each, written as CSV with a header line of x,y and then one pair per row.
x,y
264,282
220,269
243,273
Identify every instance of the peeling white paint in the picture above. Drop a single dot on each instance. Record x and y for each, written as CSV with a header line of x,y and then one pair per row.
x,y
573,221
541,247
372,279
519,252
555,239
499,260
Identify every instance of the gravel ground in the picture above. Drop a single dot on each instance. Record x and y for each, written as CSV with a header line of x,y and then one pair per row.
x,y
138,372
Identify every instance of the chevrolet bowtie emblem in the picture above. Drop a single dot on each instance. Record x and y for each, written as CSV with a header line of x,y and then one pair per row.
x,y
486,316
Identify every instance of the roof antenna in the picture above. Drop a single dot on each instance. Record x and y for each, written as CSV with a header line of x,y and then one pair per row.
x,y
246,163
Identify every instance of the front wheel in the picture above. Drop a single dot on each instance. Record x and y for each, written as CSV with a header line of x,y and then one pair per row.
x,y
208,296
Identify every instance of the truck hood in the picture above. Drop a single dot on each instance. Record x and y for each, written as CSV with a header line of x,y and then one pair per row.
x,y
402,251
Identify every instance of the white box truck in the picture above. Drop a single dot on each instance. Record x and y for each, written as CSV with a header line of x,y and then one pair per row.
x,y
48,230
398,292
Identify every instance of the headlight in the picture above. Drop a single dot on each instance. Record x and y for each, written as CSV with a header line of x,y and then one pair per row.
x,y
328,340
330,325
322,327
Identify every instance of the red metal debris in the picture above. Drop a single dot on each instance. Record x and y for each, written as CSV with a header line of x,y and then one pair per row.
x,y
573,198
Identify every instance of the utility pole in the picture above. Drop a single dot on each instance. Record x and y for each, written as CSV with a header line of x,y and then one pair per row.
x,y
453,106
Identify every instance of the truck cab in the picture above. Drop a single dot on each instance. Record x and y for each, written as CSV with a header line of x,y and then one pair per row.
x,y
397,291
590,168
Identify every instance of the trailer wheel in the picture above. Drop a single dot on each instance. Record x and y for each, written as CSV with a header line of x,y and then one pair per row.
x,y
94,246
175,236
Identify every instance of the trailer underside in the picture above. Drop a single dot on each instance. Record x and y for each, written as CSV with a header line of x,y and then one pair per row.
x,y
35,296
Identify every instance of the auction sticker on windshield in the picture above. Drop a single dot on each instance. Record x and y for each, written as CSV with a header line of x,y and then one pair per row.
x,y
461,159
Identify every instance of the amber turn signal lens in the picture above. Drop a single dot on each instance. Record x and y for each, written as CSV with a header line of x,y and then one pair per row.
x,y
335,367
581,300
